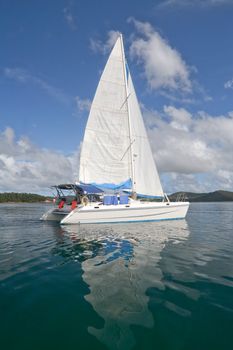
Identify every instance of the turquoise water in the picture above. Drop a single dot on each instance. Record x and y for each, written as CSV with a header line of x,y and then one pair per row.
x,y
162,285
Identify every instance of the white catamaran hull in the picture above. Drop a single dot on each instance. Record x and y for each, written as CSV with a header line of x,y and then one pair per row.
x,y
55,215
91,214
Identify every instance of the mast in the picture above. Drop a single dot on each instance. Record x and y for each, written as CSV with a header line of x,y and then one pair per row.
x,y
129,122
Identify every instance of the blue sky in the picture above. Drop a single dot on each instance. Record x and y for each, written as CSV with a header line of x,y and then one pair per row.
x,y
52,54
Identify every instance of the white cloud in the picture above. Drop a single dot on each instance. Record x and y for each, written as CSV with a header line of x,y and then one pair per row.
x,y
70,19
181,119
196,149
97,45
163,66
26,167
193,152
228,84
83,105
24,77
194,3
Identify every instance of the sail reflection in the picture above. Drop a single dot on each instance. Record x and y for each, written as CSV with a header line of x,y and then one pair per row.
x,y
120,262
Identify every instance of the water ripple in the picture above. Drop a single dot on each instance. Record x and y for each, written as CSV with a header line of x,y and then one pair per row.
x,y
121,282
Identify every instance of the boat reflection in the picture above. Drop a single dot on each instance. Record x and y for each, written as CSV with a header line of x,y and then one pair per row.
x,y
120,262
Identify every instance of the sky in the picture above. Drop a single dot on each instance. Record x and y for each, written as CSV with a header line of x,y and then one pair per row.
x,y
180,53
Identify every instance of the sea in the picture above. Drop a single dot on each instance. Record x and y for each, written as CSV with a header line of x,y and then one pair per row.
x,y
158,285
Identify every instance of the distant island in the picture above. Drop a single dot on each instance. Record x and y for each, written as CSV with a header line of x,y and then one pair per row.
x,y
15,197
216,196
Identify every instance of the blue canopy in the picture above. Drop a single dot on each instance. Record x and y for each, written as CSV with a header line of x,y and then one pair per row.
x,y
82,188
89,189
114,187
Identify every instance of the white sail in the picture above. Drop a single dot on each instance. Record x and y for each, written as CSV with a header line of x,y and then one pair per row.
x,y
104,157
116,148
145,175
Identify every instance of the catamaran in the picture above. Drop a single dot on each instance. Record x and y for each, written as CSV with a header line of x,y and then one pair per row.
x,y
116,159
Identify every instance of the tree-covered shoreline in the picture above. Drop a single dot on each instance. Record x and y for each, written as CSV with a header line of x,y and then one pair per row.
x,y
15,197
216,196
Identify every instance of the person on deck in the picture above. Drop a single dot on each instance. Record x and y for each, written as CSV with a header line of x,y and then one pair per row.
x,y
61,204
74,204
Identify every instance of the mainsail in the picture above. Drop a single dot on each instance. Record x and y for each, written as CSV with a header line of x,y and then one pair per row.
x,y
106,139
116,152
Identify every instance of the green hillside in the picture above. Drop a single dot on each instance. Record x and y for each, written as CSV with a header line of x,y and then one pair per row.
x,y
216,196
21,197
